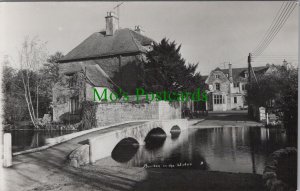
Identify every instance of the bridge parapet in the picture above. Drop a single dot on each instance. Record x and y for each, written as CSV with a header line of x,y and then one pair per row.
x,y
102,145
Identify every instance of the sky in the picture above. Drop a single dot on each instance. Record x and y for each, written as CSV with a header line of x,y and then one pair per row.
x,y
210,33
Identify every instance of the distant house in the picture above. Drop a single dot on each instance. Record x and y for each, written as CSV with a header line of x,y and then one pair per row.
x,y
109,59
227,87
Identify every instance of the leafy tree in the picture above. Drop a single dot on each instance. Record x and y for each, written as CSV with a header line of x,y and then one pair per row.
x,y
50,73
166,69
51,68
277,91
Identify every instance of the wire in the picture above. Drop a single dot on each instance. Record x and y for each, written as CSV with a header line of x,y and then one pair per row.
x,y
274,26
266,45
288,9
269,29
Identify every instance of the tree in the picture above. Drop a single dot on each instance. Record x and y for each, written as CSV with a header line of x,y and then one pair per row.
x,y
51,68
14,107
32,56
50,73
166,69
277,91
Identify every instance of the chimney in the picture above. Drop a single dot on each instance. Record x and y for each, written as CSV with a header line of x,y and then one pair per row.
x,y
112,23
138,29
230,72
285,62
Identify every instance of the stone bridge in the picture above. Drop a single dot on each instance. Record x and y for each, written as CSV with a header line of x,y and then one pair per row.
x,y
103,145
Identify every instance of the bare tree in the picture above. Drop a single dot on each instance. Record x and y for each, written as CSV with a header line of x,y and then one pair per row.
x,y
32,56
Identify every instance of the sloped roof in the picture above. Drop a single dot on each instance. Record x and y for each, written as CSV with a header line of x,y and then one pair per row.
x,y
237,73
99,45
98,77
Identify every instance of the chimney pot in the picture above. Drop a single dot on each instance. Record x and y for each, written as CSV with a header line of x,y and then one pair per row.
x,y
230,72
138,29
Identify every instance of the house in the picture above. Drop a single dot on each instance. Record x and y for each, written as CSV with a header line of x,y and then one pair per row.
x,y
110,59
227,87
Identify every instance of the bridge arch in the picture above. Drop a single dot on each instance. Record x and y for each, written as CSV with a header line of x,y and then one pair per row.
x,y
175,132
155,138
103,145
125,150
175,128
156,132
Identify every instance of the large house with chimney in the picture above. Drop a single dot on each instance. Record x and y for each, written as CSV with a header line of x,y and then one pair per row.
x,y
110,59
227,87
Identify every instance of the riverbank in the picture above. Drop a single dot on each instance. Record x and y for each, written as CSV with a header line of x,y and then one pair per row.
x,y
227,119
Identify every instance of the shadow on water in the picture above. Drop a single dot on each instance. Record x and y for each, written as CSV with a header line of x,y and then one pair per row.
x,y
175,135
155,139
125,150
175,132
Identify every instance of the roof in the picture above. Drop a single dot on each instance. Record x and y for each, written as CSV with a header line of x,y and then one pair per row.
x,y
98,45
238,73
98,77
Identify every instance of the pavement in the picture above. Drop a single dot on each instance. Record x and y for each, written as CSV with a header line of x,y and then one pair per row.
x,y
47,170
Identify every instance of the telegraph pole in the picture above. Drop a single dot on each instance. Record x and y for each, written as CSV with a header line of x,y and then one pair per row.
x,y
249,81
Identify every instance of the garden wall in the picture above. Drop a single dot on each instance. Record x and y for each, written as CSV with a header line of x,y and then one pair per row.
x,y
110,113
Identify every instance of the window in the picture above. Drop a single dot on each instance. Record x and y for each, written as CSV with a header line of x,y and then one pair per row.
x,y
72,80
217,76
217,86
219,99
243,86
227,75
235,100
246,74
236,85
74,104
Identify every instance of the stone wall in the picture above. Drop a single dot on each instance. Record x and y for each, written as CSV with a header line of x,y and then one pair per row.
x,y
122,70
222,80
62,94
270,176
110,113
168,110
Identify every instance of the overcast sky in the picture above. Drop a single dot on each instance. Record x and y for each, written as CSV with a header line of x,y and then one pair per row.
x,y
210,32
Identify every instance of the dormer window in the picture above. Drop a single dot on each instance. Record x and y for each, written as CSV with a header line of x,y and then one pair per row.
x,y
217,76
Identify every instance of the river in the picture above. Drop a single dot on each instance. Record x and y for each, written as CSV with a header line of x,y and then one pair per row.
x,y
28,139
228,149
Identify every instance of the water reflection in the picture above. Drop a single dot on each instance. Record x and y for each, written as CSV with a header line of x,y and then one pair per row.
x,y
175,135
230,149
27,139
154,142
